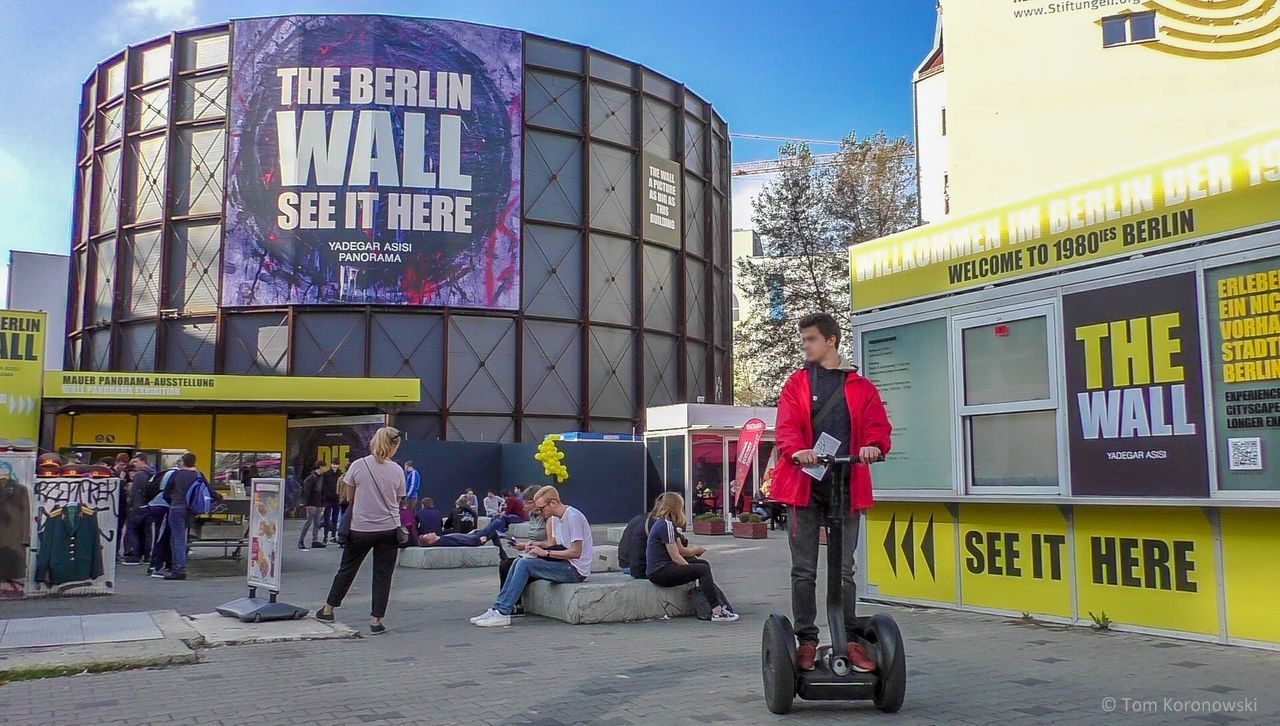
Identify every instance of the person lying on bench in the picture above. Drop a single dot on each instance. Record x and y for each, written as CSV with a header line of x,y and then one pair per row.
x,y
570,528
668,565
452,540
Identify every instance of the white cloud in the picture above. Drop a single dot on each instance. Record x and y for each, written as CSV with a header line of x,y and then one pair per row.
x,y
174,12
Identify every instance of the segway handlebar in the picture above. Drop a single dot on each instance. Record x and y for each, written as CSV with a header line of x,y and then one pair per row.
x,y
836,460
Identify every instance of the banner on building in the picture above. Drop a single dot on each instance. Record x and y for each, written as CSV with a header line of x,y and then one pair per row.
x,y
1230,186
1135,397
373,160
911,551
266,533
22,336
335,440
1243,307
663,191
179,387
1016,558
748,444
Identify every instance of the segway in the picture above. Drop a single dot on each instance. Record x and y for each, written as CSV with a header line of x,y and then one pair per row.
x,y
833,677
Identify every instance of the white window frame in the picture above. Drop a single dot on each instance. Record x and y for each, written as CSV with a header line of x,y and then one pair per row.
x,y
1049,310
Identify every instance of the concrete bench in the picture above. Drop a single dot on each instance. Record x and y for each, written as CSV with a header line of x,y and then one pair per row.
x,y
482,522
604,558
607,598
609,534
519,529
615,534
447,558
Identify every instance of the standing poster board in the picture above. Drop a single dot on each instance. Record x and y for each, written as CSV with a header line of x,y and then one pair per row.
x,y
266,533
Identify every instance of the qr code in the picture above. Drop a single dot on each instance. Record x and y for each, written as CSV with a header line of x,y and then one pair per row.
x,y
1245,454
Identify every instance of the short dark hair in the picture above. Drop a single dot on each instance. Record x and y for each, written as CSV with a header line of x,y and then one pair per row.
x,y
319,465
188,459
409,462
427,503
825,324
141,457
505,493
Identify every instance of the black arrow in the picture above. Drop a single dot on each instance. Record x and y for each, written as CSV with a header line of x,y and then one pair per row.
x,y
909,545
890,539
926,548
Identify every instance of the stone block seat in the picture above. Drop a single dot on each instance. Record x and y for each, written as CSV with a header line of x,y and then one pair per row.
x,y
519,529
446,558
604,558
607,598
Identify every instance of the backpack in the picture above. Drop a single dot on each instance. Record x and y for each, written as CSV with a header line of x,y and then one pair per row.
x,y
632,547
200,496
701,605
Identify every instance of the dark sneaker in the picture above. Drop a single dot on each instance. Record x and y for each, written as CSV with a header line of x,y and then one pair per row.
x,y
377,629
131,561
805,655
176,576
302,547
160,574
518,612
320,615
318,545
859,659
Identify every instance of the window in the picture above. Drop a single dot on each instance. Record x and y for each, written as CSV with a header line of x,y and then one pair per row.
x,y
1008,401
944,120
777,300
1128,28
735,308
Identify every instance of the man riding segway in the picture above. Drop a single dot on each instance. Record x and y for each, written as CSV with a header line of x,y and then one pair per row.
x,y
826,409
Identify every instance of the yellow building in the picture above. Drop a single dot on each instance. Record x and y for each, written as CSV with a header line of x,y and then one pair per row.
x,y
1035,94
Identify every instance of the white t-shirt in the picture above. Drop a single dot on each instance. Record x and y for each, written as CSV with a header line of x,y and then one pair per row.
x,y
573,527
491,505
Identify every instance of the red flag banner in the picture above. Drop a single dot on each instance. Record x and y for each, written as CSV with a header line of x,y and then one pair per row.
x,y
748,444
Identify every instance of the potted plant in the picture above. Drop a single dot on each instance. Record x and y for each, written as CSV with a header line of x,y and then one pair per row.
x,y
709,523
750,526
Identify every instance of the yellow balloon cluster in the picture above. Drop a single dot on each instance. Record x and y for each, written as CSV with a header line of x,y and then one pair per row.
x,y
552,459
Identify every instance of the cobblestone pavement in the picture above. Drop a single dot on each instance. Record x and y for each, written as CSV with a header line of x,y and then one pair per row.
x,y
434,668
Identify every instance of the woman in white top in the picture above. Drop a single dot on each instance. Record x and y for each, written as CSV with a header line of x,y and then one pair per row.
x,y
378,484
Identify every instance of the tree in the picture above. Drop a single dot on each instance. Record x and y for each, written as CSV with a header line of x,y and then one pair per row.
x,y
808,217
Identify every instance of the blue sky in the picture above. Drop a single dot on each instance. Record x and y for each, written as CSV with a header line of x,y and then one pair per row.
x,y
812,70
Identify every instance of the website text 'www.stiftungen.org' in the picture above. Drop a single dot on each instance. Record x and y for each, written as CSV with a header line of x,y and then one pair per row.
x,y
1032,9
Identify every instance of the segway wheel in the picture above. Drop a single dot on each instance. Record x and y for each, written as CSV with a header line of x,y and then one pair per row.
x,y
891,688
778,663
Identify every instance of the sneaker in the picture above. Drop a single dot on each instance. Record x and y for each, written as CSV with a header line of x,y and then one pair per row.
x,y
495,620
726,616
859,660
805,655
318,545
320,615
302,547
518,612
176,576
483,616
131,561
378,629
160,574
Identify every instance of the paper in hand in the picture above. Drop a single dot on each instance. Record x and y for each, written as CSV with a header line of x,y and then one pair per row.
x,y
827,445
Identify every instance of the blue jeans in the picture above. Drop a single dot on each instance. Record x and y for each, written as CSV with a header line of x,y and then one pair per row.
x,y
498,524
179,520
530,568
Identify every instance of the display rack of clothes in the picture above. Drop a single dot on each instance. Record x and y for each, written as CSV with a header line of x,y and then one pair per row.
x,y
70,548
15,529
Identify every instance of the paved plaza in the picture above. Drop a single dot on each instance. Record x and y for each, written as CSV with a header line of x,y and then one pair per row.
x,y
434,668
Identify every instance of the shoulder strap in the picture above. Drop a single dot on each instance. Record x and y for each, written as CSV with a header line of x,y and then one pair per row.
x,y
828,405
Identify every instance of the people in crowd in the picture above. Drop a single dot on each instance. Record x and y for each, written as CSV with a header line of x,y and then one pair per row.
x,y
452,540
408,521
313,502
826,396
144,485
377,484
668,564
121,468
463,518
492,504
472,502
332,502
174,488
631,548
515,505
413,483
537,535
569,528
429,519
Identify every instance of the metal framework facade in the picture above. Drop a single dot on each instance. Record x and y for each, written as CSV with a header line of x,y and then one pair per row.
x,y
609,323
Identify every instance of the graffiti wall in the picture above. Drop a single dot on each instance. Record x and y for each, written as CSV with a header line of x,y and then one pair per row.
x,y
73,543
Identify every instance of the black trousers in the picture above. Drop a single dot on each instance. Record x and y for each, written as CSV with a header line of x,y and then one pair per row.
x,y
385,550
673,575
330,519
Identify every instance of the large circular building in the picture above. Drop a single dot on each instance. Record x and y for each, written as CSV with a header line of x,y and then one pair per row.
x,y
536,231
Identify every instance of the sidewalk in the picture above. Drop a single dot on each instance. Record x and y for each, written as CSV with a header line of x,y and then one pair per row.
x,y
433,667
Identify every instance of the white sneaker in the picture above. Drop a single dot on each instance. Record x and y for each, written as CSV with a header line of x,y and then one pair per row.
x,y
495,620
483,616
726,616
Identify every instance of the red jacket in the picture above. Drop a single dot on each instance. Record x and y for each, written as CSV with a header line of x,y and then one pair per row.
x,y
794,432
